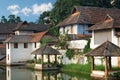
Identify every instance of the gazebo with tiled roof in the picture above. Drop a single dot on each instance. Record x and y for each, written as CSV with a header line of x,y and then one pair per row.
x,y
106,50
46,50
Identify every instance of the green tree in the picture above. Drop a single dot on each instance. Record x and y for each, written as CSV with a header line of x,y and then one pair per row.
x,y
87,47
116,3
18,19
61,9
54,31
44,18
11,19
3,19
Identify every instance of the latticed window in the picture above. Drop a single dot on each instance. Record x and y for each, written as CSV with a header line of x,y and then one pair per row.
x,y
25,45
15,45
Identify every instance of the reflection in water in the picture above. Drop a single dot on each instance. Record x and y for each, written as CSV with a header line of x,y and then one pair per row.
x,y
18,73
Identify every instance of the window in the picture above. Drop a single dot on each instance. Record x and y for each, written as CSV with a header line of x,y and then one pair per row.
x,y
35,45
15,45
72,29
25,45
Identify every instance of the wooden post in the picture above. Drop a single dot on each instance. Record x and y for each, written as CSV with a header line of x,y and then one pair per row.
x,y
42,59
106,67
110,66
48,59
55,59
92,63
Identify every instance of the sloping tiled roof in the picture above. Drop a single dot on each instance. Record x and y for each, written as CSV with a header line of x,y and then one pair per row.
x,y
111,22
7,27
105,49
38,36
46,50
88,15
26,38
24,26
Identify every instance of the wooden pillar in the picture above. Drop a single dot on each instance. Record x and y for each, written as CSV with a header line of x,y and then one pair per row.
x,y
48,59
106,66
92,63
110,66
42,59
55,58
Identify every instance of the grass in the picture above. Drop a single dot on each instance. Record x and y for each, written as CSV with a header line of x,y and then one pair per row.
x,y
77,68
86,68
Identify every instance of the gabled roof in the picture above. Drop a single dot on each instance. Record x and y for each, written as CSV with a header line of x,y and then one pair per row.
x,y
88,15
105,49
110,21
24,26
26,38
46,50
7,28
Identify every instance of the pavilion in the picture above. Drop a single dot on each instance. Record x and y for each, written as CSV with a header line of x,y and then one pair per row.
x,y
106,50
46,50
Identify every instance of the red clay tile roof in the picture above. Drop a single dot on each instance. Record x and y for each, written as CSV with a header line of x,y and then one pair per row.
x,y
26,38
88,15
105,49
38,36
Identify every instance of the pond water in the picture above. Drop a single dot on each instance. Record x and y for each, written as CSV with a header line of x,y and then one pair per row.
x,y
20,73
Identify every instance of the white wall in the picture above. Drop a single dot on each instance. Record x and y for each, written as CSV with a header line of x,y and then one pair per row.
x,y
77,44
99,37
98,61
23,32
20,53
76,59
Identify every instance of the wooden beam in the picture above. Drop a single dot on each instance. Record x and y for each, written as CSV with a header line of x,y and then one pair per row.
x,y
92,63
106,67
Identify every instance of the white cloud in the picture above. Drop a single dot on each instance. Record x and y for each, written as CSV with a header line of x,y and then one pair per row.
x,y
26,11
38,9
14,9
35,9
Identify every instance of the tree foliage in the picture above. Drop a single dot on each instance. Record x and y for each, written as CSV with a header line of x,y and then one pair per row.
x,y
87,47
70,53
3,19
62,41
44,18
11,19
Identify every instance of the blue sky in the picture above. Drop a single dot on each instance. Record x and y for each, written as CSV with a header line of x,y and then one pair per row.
x,y
27,9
